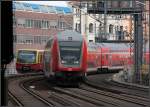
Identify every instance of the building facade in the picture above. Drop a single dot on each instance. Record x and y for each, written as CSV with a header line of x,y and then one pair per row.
x,y
110,27
33,24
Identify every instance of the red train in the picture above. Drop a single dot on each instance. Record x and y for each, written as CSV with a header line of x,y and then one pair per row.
x,y
29,60
108,56
65,56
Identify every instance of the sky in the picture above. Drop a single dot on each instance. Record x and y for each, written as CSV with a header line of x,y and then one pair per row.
x,y
51,3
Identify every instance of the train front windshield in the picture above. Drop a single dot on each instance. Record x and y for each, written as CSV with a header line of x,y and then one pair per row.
x,y
26,56
70,53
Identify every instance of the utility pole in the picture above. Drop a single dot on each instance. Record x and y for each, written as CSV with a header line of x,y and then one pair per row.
x,y
138,46
80,16
105,18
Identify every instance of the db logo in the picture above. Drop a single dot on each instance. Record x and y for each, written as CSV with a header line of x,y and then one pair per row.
x,y
69,69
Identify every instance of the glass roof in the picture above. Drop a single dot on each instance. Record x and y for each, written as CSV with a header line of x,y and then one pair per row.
x,y
59,10
41,8
67,10
44,9
35,7
27,6
18,6
51,9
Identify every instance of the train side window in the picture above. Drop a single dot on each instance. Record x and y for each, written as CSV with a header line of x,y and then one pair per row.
x,y
49,43
103,57
106,56
46,57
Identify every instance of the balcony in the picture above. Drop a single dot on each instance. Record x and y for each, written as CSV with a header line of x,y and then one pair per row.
x,y
114,38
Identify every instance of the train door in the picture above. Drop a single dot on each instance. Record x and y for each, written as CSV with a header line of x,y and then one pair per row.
x,y
46,63
40,60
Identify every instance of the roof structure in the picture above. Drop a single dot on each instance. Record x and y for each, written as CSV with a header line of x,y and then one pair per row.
x,y
41,8
69,35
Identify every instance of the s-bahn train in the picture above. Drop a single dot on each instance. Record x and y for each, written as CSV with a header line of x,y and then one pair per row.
x,y
29,60
65,56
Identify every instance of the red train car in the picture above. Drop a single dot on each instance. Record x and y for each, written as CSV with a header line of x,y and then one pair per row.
x,y
147,54
65,56
29,60
68,57
119,56
147,58
104,57
97,57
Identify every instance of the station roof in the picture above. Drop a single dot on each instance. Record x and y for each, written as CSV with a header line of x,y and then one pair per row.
x,y
41,8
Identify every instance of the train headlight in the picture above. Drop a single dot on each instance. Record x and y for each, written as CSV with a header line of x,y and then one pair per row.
x,y
76,62
63,61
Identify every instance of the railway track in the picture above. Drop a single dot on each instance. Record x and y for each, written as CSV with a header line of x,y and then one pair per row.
x,y
27,96
125,97
21,95
15,100
110,86
43,93
102,99
55,98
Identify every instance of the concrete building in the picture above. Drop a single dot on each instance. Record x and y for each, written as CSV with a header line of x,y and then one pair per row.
x,y
33,24
146,21
92,25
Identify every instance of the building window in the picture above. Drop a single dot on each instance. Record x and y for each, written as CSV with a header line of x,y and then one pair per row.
x,y
121,28
25,39
53,24
110,28
90,28
29,41
37,39
29,23
77,12
76,26
45,24
100,27
90,40
61,25
21,22
37,23
20,39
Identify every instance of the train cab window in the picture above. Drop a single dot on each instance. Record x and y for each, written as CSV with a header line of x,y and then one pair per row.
x,y
70,53
25,56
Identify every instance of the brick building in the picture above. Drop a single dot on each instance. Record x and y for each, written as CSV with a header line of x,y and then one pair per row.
x,y
33,24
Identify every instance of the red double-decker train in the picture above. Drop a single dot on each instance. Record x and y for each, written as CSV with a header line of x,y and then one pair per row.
x,y
68,56
65,56
105,57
